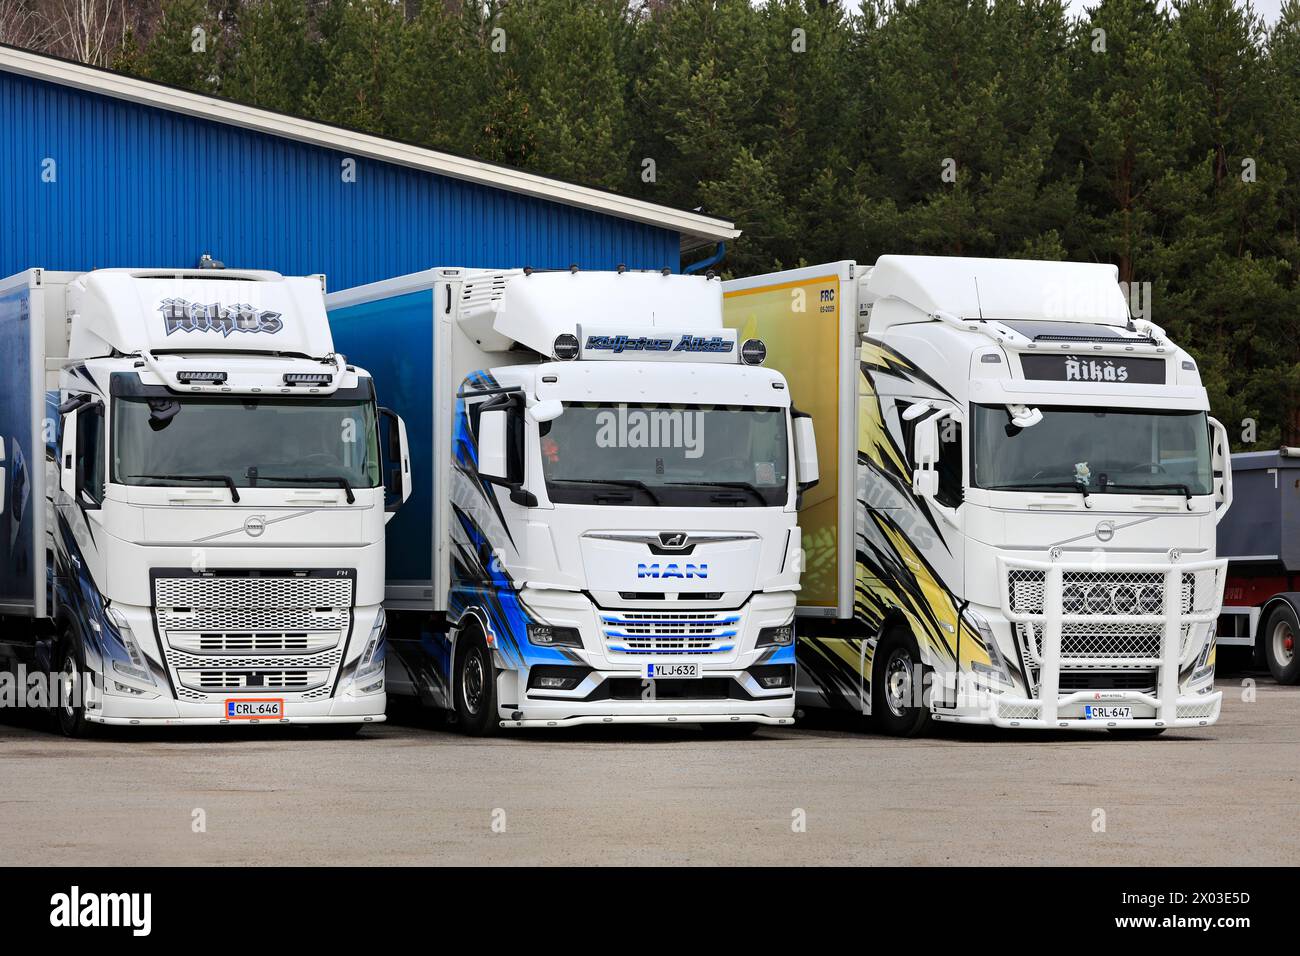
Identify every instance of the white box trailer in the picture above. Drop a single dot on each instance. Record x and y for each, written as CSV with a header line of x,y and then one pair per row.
x,y
194,501
1022,526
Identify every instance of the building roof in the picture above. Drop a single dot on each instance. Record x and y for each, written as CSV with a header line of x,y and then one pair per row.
x,y
695,229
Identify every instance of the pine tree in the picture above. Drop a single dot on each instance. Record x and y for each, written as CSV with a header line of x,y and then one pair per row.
x,y
360,46
183,49
267,65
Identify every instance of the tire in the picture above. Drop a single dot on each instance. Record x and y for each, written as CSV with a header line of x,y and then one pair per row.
x,y
1279,636
69,710
896,670
476,686
731,730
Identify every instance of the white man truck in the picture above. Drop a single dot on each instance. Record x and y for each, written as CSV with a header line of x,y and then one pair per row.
x,y
1021,529
603,528
194,501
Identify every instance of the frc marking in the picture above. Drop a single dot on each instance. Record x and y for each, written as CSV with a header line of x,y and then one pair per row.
x,y
672,570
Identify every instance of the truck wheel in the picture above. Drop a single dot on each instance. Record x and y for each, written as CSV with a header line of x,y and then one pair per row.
x,y
476,686
1279,637
897,686
69,706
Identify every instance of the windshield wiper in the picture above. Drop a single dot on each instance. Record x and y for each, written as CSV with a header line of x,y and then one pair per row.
x,y
314,480
223,479
1184,490
742,485
1078,486
614,482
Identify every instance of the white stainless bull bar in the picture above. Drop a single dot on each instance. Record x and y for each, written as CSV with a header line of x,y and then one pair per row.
x,y
1122,616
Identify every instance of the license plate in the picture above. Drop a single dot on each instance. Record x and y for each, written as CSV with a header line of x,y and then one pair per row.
x,y
254,708
674,671
1093,712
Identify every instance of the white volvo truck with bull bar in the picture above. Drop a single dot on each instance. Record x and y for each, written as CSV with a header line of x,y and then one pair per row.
x,y
1022,527
603,528
196,507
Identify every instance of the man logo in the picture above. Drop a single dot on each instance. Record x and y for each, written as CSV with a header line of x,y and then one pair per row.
x,y
1105,531
675,540
255,526
672,570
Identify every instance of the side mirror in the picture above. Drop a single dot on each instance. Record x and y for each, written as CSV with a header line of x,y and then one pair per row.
x,y
396,461
805,451
493,429
1221,467
925,440
546,411
4,473
68,455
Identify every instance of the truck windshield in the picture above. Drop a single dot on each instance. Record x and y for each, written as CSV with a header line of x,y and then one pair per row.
x,y
252,442
1099,450
704,456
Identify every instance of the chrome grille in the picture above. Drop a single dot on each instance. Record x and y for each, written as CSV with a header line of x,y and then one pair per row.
x,y
670,632
1098,593
327,660
304,642
254,681
253,634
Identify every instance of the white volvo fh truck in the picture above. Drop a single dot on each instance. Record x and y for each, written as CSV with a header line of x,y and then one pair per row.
x,y
195,501
603,528
1021,529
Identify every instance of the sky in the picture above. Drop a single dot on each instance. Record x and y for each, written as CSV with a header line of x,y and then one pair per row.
x,y
1268,9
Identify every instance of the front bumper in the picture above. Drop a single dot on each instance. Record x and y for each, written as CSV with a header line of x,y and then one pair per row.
x,y
618,644
1120,633
1196,710
165,712
650,719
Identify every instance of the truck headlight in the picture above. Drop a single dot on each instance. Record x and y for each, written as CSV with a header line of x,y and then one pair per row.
x,y
137,668
780,636
547,635
375,655
997,670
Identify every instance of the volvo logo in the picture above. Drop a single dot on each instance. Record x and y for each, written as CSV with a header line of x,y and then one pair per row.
x,y
675,540
1105,530
255,526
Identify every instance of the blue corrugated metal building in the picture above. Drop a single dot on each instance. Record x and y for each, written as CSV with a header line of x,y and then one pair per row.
x,y
101,170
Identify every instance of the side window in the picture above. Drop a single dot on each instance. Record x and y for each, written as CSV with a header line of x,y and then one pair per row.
x,y
949,464
515,444
90,451
908,429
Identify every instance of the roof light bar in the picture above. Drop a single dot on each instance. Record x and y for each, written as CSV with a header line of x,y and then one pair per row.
x,y
307,378
187,376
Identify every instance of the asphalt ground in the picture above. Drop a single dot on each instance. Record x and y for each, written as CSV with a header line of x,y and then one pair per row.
x,y
412,791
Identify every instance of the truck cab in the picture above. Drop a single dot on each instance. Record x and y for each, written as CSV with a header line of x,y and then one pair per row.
x,y
1034,500
211,546
615,503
